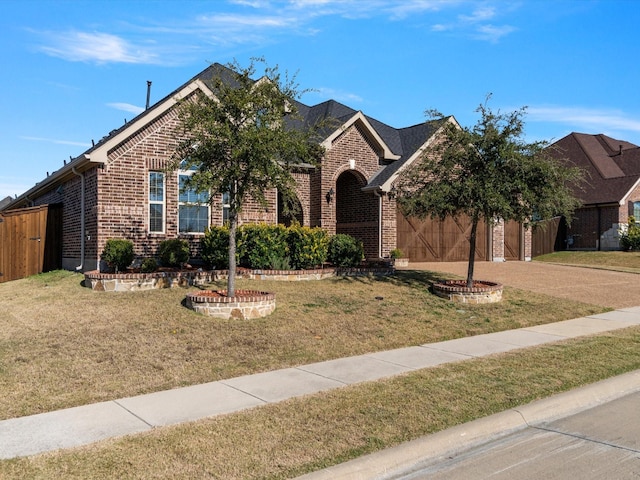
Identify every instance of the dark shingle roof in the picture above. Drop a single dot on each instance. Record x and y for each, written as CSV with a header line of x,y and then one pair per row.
x,y
403,142
411,139
612,167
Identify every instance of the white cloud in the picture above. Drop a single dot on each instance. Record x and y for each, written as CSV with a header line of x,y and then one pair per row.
x,y
476,24
338,95
12,186
126,107
56,141
493,33
607,121
248,3
481,14
96,47
258,22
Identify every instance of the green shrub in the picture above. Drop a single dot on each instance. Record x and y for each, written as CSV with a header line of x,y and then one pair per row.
x,y
396,253
215,247
174,252
118,253
279,263
630,238
148,265
261,245
345,251
308,247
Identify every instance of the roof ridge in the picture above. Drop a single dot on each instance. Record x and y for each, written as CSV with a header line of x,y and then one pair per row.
x,y
598,155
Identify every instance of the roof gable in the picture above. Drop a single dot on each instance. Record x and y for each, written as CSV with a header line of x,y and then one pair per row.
x,y
612,167
373,138
599,157
396,146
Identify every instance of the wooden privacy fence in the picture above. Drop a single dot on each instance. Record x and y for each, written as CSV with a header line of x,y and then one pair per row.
x,y
549,237
30,241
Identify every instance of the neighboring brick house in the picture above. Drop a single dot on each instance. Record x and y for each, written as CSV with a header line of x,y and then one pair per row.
x,y
610,194
118,187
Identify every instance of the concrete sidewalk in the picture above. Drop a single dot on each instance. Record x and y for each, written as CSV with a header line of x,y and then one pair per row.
x,y
91,423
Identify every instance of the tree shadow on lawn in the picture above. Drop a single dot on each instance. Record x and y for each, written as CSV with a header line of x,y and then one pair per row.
x,y
409,278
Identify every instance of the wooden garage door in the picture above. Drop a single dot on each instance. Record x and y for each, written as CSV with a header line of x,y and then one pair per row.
x,y
512,241
439,241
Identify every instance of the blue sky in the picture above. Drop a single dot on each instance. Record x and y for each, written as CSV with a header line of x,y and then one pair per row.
x,y
72,71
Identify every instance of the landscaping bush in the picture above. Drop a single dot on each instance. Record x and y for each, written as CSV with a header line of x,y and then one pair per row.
x,y
262,246
396,253
118,253
276,247
174,252
215,247
148,265
630,237
308,247
345,251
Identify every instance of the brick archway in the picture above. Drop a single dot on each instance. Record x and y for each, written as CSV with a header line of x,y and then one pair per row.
x,y
357,213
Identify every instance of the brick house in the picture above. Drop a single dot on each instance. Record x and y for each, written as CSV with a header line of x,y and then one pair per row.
x,y
610,194
118,189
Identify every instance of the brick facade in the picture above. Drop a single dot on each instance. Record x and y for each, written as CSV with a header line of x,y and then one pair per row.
x,y
114,185
596,228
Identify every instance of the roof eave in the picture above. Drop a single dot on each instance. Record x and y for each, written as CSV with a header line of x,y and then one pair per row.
x,y
79,164
99,153
626,196
387,154
386,186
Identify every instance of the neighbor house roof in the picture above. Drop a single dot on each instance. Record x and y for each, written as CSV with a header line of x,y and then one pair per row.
x,y
612,167
398,147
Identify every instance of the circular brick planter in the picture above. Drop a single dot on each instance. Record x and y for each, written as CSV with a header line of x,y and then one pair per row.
x,y
457,291
245,305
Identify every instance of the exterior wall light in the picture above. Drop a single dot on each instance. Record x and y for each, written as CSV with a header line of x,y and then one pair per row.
x,y
330,195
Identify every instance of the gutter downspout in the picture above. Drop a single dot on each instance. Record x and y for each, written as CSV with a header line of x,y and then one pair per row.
x,y
82,219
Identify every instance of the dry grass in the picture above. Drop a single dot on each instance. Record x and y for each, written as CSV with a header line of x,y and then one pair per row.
x,y
614,260
301,435
63,345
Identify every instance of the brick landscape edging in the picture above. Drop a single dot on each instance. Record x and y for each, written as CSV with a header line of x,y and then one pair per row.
x,y
124,282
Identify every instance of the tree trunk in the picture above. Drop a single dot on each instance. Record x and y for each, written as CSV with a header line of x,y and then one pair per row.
x,y
231,280
472,250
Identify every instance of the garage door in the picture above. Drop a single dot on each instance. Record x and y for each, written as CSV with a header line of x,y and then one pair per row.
x,y
431,240
513,241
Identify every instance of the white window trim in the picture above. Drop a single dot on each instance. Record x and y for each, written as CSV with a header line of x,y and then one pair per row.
x,y
155,202
188,173
226,206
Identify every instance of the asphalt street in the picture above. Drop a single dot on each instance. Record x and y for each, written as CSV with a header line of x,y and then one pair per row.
x,y
599,443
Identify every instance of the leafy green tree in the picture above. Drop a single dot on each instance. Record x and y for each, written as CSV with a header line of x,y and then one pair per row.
x,y
240,143
487,172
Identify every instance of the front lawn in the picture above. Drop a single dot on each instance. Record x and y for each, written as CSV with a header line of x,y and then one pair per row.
x,y
300,435
610,260
63,345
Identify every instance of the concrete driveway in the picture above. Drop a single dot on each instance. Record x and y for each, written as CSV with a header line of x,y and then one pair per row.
x,y
589,285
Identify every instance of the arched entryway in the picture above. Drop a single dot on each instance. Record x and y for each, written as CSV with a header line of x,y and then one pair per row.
x,y
292,215
357,213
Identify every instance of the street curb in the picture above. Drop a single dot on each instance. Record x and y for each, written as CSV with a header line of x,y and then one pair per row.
x,y
402,459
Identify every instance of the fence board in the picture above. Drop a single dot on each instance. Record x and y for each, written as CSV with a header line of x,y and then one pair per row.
x,y
30,241
548,237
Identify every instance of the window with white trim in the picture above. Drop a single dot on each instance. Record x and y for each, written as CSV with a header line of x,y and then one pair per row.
x,y
156,202
226,206
636,211
193,207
